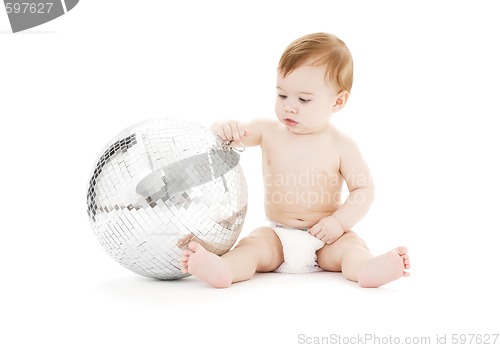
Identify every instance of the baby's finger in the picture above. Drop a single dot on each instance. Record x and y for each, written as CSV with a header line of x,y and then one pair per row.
x,y
235,132
221,134
243,132
315,229
227,133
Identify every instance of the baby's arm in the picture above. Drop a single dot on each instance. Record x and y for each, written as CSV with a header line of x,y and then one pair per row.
x,y
357,176
248,134
359,182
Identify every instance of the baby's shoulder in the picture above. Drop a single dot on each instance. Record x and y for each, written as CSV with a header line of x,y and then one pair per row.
x,y
341,139
337,135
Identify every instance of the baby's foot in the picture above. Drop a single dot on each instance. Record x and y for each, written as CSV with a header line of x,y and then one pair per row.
x,y
385,268
206,266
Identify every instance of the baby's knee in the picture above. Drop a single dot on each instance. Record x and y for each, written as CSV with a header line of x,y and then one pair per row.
x,y
261,237
352,239
265,243
250,240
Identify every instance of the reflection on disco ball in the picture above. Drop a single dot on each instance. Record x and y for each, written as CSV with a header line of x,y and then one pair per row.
x,y
161,181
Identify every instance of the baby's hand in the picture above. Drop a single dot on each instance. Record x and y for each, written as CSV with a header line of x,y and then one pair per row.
x,y
327,230
230,131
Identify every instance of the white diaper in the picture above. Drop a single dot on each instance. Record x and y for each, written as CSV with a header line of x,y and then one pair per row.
x,y
299,249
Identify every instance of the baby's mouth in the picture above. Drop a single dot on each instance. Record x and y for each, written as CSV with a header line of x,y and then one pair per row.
x,y
290,122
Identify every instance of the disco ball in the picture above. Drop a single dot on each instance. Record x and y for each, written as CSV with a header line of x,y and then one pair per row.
x,y
159,184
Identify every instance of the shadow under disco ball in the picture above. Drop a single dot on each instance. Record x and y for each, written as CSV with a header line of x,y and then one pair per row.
x,y
161,181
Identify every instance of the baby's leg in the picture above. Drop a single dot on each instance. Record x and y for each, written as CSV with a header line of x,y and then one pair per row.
x,y
261,251
350,255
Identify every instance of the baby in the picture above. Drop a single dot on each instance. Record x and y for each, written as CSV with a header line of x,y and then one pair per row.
x,y
305,161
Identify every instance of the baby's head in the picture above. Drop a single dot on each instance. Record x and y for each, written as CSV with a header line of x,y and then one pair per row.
x,y
314,81
320,49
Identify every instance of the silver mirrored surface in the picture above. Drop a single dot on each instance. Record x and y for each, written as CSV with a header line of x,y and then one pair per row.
x,y
159,184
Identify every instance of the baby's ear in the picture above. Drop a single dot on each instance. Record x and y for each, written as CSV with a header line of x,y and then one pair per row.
x,y
340,100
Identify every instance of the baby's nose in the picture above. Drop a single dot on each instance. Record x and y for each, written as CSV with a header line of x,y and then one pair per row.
x,y
290,108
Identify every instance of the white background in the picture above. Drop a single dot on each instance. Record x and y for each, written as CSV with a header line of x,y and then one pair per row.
x,y
423,110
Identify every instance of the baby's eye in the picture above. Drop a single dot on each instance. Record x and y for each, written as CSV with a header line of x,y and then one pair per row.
x,y
282,96
303,100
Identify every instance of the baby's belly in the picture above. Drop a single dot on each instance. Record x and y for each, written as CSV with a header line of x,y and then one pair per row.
x,y
301,207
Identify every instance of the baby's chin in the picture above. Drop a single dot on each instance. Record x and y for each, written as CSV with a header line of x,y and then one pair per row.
x,y
300,129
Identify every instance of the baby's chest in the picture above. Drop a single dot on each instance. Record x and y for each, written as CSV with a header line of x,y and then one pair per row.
x,y
300,158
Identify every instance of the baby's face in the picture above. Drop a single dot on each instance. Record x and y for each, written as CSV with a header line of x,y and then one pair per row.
x,y
305,101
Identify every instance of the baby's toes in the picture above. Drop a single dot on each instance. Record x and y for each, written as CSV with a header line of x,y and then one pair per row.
x,y
183,263
402,251
407,263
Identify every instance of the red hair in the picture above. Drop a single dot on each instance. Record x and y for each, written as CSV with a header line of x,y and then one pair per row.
x,y
320,49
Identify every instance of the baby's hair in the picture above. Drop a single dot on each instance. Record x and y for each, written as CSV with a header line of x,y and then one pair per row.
x,y
320,49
